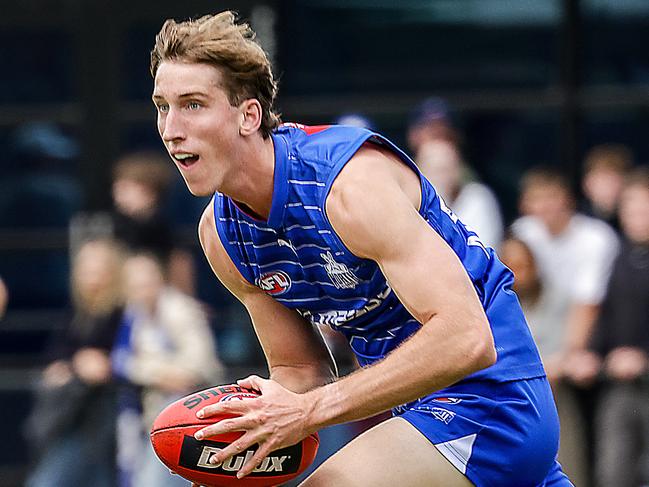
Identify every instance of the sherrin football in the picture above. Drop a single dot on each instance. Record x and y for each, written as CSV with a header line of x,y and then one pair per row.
x,y
172,437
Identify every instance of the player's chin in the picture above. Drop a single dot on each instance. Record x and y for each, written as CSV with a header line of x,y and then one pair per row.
x,y
199,188
200,192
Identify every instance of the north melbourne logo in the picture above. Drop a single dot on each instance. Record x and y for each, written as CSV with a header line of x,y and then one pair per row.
x,y
443,415
339,274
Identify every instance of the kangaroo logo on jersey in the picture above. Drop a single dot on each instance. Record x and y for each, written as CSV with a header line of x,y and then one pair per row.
x,y
339,274
274,283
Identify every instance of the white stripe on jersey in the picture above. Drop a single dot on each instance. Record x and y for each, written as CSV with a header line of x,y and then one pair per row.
x,y
302,227
296,181
312,245
246,223
254,245
306,207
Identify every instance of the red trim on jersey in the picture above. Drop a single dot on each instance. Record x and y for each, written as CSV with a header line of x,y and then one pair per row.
x,y
308,129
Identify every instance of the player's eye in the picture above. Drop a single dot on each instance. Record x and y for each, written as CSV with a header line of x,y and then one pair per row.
x,y
162,107
193,105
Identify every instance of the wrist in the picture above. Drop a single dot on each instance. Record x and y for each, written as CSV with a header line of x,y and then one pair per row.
x,y
325,406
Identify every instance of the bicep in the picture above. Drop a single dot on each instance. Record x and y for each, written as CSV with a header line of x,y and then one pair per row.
x,y
385,226
426,274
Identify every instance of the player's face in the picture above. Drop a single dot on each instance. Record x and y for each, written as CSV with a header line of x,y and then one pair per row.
x,y
197,123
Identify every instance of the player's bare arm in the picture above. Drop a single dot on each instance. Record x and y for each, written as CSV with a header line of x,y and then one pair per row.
x,y
455,341
384,225
296,354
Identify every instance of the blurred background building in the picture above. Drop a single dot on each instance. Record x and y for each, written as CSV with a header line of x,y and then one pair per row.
x,y
523,83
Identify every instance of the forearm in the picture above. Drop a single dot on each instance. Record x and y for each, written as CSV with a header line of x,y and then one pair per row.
x,y
433,358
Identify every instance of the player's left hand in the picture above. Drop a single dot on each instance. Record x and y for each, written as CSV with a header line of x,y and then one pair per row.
x,y
276,419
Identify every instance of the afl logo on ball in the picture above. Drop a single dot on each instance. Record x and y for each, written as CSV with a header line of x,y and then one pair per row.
x,y
274,283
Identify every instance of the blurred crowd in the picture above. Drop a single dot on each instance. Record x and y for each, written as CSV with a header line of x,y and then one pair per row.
x,y
139,338
581,266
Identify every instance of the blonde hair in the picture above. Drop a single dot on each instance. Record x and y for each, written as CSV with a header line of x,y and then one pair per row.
x,y
150,169
219,41
614,157
639,176
111,255
545,176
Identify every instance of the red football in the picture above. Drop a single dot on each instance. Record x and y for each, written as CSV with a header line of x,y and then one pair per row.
x,y
172,436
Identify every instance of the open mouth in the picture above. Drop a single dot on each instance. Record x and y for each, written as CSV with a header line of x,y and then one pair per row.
x,y
186,159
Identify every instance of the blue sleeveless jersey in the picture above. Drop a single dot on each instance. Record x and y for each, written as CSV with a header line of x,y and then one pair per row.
x,y
298,259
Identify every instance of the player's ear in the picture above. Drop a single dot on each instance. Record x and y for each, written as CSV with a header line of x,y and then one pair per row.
x,y
251,116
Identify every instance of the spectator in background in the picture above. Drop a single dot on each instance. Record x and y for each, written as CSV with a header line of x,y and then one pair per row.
x,y
140,181
431,120
605,168
4,298
355,120
73,422
619,350
474,203
574,254
164,350
541,304
435,141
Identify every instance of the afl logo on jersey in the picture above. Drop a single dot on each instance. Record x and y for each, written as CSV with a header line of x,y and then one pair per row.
x,y
274,283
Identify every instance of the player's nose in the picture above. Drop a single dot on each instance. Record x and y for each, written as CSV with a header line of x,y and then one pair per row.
x,y
173,128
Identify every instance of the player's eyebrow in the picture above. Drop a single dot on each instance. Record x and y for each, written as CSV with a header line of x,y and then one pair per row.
x,y
191,94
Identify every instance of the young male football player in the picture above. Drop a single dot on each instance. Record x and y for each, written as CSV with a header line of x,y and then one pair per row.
x,y
334,225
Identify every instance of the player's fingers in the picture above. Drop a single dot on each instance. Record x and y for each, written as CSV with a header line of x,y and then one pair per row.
x,y
252,382
224,426
247,468
234,448
228,407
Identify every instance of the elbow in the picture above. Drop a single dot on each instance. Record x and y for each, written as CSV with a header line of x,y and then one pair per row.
x,y
302,377
483,352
